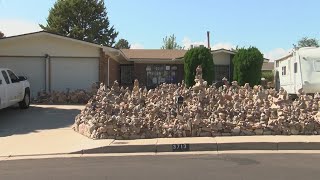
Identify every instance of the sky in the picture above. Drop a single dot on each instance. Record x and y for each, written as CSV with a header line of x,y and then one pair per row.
x,y
270,25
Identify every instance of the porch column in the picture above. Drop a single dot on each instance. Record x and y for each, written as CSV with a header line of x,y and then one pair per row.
x,y
47,73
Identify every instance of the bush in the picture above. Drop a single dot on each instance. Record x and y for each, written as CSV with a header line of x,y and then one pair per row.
x,y
268,75
247,66
198,56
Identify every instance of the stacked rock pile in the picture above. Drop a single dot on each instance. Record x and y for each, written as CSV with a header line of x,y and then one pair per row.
x,y
205,111
79,96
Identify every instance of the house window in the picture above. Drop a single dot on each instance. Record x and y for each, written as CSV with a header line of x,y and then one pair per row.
x,y
277,63
159,73
316,65
295,67
284,70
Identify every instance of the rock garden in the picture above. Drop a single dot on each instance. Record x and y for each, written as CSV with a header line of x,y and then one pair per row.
x,y
174,110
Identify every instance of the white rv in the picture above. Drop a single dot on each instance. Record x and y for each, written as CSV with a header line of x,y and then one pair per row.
x,y
300,69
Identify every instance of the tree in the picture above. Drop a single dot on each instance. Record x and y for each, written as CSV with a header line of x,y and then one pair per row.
x,y
198,56
1,35
247,66
307,42
122,44
170,43
81,19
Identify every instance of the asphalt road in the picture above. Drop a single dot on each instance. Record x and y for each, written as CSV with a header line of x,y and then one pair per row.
x,y
193,167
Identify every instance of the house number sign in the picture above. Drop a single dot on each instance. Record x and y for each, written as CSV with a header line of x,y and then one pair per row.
x,y
180,147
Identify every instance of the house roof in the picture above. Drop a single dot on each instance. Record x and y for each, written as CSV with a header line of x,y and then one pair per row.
x,y
53,34
153,53
231,52
113,52
223,50
267,66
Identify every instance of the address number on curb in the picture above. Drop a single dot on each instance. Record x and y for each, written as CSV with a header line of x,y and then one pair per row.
x,y
180,147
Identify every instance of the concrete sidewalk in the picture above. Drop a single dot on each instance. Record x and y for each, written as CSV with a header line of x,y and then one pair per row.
x,y
46,130
65,141
210,144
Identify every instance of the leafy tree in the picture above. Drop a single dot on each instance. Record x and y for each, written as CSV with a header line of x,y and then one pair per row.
x,y
198,56
122,44
247,65
170,43
307,42
1,35
81,19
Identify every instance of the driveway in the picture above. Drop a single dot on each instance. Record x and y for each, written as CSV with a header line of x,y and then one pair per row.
x,y
14,121
42,129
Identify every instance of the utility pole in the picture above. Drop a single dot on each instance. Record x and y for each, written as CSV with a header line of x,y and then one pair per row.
x,y
208,39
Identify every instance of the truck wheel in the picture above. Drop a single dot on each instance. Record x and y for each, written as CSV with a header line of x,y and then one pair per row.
x,y
25,103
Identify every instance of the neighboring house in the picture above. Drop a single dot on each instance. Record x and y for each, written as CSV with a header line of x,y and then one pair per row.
x,y
56,63
223,65
267,66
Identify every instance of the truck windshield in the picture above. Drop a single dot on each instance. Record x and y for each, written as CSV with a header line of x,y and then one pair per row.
x,y
6,78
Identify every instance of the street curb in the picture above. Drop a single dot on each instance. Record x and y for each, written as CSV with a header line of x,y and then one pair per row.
x,y
247,146
192,147
121,149
214,147
299,146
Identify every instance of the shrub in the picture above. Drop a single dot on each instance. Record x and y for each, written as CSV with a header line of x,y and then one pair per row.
x,y
247,66
198,56
268,75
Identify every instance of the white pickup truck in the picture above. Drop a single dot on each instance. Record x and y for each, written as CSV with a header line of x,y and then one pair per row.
x,y
13,90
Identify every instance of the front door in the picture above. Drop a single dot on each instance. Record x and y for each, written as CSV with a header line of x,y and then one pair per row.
x,y
222,71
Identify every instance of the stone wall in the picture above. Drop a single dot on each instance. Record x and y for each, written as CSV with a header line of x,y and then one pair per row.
x,y
205,111
79,96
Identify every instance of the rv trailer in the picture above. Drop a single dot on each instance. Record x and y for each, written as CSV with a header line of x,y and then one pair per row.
x,y
300,69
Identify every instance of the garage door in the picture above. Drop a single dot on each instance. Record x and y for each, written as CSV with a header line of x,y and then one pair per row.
x,y
31,67
73,73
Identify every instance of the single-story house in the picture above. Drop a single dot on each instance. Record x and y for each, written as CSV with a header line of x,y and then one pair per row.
x,y
53,62
155,66
56,63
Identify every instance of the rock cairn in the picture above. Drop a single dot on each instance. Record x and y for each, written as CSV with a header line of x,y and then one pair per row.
x,y
79,96
206,111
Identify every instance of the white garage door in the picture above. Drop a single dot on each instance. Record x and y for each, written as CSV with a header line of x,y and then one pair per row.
x,y
31,67
73,73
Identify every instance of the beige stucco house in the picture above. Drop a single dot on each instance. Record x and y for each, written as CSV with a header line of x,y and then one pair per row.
x,y
56,63
53,62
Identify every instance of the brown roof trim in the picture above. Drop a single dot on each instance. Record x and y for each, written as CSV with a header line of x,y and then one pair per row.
x,y
232,52
222,49
155,59
56,34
